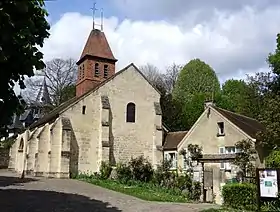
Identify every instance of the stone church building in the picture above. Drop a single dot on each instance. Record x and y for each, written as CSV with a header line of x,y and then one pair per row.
x,y
114,116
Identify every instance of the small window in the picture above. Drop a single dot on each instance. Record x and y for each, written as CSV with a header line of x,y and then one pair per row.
x,y
96,70
130,112
106,71
84,110
221,129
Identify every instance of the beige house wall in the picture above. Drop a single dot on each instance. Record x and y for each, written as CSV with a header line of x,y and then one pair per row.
x,y
204,133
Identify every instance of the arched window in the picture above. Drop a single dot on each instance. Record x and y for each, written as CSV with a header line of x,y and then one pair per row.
x,y
130,112
96,70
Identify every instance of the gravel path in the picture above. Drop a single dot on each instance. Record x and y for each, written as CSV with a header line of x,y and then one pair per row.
x,y
57,195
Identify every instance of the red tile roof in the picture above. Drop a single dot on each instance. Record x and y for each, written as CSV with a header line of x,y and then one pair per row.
x,y
97,46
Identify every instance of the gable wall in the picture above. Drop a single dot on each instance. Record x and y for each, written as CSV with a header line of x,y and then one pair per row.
x,y
128,139
139,138
205,134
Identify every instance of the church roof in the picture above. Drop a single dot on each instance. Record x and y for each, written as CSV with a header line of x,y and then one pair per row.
x,y
55,113
97,46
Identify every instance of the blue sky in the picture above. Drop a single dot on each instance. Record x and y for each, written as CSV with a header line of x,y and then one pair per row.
x,y
233,37
58,7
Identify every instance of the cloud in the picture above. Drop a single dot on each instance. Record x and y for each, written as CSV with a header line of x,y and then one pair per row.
x,y
174,9
232,42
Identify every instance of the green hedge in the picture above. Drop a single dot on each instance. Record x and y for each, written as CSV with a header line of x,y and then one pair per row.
x,y
240,196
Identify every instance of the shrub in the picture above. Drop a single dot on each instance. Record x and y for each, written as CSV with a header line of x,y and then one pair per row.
x,y
183,182
124,173
105,170
240,196
141,169
196,191
162,174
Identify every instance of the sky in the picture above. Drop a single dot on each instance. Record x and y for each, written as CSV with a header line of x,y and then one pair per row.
x,y
233,37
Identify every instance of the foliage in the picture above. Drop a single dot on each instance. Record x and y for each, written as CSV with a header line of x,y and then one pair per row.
x,y
268,206
22,31
196,83
236,96
245,156
105,170
7,143
195,151
124,173
240,196
141,169
61,77
162,174
273,160
269,117
274,63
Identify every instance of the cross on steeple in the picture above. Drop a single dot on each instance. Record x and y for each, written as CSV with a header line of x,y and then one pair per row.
x,y
93,14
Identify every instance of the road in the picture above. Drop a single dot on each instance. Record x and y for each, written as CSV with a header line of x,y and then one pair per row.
x,y
59,195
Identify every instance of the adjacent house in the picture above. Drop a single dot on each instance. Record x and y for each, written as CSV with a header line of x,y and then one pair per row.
x,y
216,131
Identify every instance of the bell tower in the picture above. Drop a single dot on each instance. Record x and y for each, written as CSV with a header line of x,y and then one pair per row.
x,y
97,62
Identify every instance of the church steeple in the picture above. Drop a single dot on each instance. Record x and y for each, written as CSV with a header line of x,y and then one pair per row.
x,y
96,64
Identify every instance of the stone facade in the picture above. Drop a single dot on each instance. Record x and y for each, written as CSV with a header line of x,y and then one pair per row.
x,y
4,158
205,133
93,129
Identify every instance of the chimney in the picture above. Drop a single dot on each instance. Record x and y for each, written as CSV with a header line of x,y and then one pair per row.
x,y
208,103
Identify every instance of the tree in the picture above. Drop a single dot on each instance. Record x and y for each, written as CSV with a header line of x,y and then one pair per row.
x,y
171,76
154,76
240,97
274,63
196,77
23,29
61,77
245,157
270,116
196,83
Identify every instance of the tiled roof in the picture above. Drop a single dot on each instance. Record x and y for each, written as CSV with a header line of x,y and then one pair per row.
x,y
248,125
172,139
98,46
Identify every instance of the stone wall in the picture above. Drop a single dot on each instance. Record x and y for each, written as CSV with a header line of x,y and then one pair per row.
x,y
4,158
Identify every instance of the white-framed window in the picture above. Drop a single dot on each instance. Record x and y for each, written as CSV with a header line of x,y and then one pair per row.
x,y
227,150
171,156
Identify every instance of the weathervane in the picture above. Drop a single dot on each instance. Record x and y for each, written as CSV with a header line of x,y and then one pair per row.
x,y
93,16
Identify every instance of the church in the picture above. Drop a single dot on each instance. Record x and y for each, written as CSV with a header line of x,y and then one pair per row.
x,y
113,117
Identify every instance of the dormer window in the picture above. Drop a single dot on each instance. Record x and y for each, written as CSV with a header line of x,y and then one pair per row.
x,y
221,129
105,71
96,70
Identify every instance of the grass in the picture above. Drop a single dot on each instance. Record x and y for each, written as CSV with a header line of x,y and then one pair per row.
x,y
140,190
223,210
